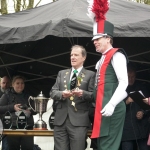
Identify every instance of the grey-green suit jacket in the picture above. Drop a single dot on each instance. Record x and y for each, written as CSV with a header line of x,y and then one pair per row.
x,y
64,107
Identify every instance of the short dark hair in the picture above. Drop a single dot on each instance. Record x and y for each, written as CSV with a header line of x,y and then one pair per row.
x,y
111,39
84,53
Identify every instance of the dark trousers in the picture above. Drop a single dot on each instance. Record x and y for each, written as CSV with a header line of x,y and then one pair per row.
x,y
69,137
15,142
129,145
5,143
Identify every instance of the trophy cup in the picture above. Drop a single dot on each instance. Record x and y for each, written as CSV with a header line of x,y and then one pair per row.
x,y
7,120
40,103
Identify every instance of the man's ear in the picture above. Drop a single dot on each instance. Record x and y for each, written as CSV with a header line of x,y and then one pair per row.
x,y
84,58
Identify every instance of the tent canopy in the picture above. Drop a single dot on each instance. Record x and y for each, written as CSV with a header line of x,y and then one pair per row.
x,y
67,18
36,43
39,61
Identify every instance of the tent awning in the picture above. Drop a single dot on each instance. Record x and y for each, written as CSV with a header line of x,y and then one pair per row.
x,y
67,18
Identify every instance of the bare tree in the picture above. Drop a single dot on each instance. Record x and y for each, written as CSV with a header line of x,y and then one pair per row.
x,y
31,4
19,5
141,1
147,2
38,3
3,9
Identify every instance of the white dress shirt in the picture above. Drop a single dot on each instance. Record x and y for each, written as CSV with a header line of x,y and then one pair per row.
x,y
79,69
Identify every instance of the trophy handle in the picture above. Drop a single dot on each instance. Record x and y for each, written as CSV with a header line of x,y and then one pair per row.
x,y
30,97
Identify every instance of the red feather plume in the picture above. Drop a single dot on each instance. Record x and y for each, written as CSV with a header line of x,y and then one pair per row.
x,y
100,7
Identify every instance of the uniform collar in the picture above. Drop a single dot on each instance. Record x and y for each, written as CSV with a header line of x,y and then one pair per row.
x,y
107,50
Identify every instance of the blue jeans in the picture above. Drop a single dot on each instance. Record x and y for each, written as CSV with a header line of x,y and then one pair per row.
x,y
5,144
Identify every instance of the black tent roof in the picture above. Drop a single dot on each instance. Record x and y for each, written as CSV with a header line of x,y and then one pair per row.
x,y
36,43
67,18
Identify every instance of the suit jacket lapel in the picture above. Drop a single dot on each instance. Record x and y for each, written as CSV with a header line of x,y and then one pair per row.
x,y
68,73
82,74
67,77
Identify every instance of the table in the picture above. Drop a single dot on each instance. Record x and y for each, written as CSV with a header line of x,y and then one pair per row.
x,y
32,132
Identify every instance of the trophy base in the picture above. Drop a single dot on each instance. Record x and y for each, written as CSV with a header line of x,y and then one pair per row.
x,y
40,125
40,129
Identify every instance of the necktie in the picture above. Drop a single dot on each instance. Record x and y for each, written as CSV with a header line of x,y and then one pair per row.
x,y
73,82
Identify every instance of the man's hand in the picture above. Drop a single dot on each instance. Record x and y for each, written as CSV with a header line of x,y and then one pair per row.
x,y
129,100
145,100
108,110
17,107
139,115
66,94
77,92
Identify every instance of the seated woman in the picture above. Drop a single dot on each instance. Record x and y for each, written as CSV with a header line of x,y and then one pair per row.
x,y
12,101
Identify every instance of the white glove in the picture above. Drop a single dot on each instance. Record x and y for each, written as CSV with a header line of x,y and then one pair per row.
x,y
108,110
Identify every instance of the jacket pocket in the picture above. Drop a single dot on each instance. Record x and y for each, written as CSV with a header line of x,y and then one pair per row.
x,y
58,106
82,106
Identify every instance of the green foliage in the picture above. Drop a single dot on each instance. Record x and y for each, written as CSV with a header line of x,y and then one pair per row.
x,y
141,1
31,4
18,6
144,1
147,2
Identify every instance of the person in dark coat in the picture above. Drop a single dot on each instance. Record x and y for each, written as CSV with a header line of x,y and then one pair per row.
x,y
147,101
4,86
136,126
12,101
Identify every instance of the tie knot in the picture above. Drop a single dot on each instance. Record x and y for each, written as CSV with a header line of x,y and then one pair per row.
x,y
75,71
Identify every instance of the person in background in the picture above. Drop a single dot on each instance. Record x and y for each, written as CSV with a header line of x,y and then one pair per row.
x,y
136,126
73,90
11,101
4,85
147,101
